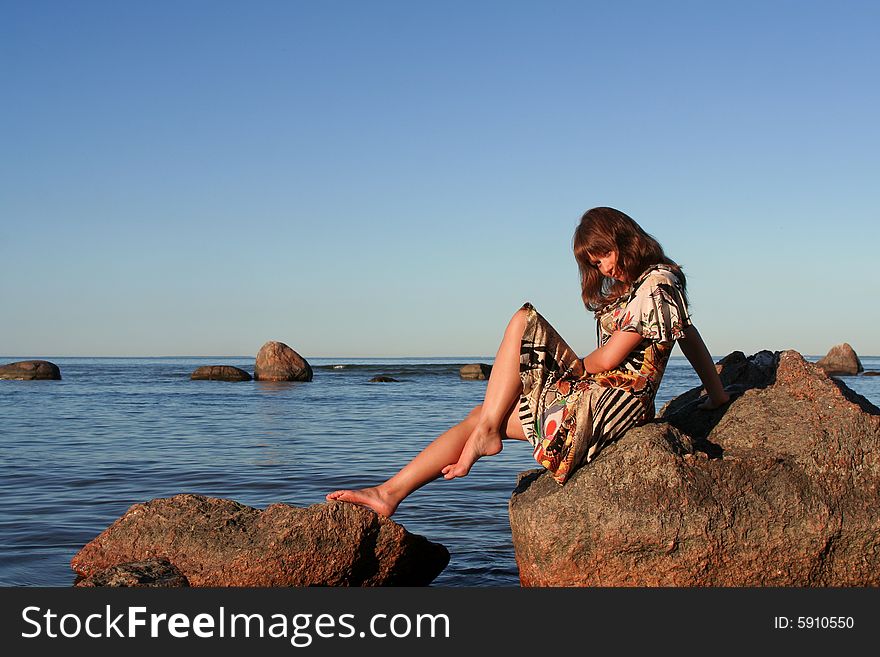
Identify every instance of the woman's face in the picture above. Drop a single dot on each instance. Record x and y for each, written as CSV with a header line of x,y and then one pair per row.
x,y
607,265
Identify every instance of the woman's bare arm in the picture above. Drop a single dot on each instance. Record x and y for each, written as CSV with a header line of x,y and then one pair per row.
x,y
612,353
693,347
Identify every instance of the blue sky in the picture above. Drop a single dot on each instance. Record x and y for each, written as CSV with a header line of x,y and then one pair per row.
x,y
396,178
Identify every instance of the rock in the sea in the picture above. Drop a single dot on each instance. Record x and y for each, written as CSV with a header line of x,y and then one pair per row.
x,y
871,373
778,488
152,573
29,370
841,360
383,379
475,371
278,362
219,373
218,542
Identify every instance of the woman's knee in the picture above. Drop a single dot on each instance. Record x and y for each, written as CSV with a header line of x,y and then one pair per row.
x,y
517,323
512,426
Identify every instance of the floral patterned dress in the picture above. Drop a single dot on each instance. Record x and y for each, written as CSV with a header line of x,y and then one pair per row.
x,y
569,415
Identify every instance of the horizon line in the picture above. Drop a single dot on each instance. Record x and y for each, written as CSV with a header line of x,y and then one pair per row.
x,y
461,356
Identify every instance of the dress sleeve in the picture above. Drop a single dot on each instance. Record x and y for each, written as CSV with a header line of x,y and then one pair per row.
x,y
658,311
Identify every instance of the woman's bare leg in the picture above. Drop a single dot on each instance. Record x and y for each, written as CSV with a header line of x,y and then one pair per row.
x,y
426,466
502,392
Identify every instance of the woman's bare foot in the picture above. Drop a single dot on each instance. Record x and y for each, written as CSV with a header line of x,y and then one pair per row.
x,y
372,498
482,442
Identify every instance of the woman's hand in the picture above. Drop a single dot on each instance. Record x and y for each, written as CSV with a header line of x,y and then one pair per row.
x,y
712,404
724,397
693,347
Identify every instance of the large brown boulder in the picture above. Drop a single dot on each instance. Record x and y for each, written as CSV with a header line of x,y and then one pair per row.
x,y
841,360
218,542
278,362
778,488
219,373
29,370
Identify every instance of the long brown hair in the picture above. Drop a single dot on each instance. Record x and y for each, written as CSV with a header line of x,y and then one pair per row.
x,y
602,230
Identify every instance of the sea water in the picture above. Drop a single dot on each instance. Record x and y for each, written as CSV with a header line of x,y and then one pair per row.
x,y
75,454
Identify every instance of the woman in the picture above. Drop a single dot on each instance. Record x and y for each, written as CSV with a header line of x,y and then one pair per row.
x,y
539,390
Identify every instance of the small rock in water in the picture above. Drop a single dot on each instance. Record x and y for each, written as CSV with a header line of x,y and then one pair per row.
x,y
841,360
278,362
475,371
219,373
383,379
30,370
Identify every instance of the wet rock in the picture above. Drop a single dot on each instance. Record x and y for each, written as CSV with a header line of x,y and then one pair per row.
x,y
475,371
383,379
278,362
152,573
219,542
219,373
841,360
871,373
29,370
777,488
